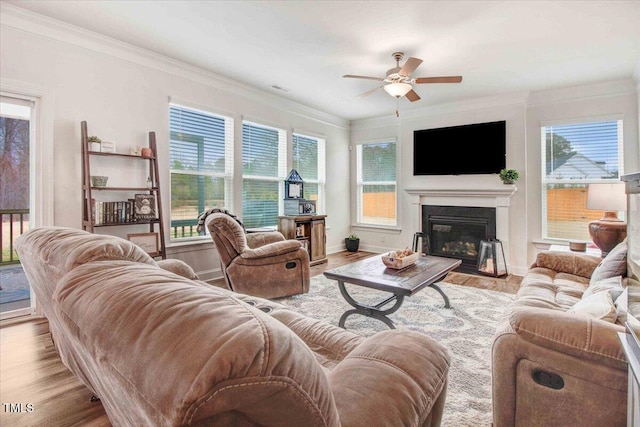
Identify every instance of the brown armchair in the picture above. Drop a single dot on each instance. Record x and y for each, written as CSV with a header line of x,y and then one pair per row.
x,y
260,264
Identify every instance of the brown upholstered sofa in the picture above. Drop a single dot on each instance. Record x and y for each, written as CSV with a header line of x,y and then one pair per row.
x,y
161,349
261,264
555,362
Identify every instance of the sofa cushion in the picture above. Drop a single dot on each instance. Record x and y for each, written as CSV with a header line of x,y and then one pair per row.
x,y
614,264
598,305
613,285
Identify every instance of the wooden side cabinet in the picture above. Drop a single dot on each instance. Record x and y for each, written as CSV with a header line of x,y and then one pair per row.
x,y
310,231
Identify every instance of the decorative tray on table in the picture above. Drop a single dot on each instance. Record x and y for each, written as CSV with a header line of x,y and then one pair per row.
x,y
400,259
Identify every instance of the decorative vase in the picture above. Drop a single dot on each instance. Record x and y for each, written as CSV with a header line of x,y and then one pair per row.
x,y
147,152
352,244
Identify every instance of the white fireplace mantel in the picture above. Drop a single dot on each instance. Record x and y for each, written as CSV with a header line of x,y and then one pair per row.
x,y
496,196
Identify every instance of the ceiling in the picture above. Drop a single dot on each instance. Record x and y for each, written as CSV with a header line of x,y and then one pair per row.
x,y
306,47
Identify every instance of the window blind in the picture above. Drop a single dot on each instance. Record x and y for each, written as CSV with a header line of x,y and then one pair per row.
x,y
263,172
574,156
377,183
201,165
308,159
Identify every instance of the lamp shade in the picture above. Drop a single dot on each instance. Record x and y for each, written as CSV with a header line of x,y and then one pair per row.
x,y
397,90
607,196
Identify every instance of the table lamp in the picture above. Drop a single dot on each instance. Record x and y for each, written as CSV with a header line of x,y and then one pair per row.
x,y
607,231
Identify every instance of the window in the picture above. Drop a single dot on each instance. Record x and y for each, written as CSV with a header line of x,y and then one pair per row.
x,y
263,173
574,156
308,159
376,177
201,165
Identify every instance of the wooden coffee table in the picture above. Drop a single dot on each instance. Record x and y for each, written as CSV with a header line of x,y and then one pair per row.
x,y
372,273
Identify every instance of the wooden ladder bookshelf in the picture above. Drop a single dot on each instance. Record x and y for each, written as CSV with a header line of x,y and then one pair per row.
x,y
120,213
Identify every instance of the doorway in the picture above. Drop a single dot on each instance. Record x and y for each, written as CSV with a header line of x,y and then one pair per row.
x,y
16,142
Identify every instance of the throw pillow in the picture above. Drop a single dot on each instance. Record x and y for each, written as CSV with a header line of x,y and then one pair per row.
x,y
628,305
599,306
614,264
613,285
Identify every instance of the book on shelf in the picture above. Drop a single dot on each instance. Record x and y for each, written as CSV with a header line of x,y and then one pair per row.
x,y
145,206
119,212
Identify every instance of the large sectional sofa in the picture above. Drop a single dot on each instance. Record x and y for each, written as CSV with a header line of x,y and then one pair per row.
x,y
556,357
161,348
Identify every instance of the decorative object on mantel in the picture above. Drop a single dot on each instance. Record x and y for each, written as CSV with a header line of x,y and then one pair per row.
x,y
352,243
147,152
609,230
135,150
509,176
94,143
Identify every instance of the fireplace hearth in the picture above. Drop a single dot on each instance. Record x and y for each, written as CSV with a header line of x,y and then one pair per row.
x,y
456,232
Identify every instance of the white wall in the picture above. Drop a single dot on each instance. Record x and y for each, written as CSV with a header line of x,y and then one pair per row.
x,y
524,114
123,93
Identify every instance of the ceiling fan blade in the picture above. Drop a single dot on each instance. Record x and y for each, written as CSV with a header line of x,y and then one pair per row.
x,y
409,66
412,96
369,92
445,79
351,76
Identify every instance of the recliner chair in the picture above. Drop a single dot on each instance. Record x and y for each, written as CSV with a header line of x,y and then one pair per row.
x,y
260,264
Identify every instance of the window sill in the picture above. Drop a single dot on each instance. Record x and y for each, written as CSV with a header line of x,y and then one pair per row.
x,y
382,228
190,241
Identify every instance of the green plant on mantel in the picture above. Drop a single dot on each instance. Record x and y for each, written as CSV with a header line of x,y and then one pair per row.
x,y
509,176
353,237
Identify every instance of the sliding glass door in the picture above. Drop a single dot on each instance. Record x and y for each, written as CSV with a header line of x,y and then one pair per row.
x,y
16,134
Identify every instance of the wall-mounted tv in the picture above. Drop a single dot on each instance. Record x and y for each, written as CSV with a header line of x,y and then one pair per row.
x,y
460,150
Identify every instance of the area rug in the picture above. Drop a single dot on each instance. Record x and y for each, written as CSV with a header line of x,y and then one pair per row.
x,y
14,285
466,329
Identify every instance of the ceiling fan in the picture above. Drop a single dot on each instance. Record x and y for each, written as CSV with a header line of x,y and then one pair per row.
x,y
399,81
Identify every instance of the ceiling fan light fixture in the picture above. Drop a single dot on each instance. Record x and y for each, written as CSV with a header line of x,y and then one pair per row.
x,y
397,90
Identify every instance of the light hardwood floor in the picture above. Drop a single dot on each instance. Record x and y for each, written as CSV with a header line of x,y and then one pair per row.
x,y
32,373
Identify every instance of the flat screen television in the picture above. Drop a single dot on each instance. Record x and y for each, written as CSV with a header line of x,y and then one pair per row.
x,y
460,150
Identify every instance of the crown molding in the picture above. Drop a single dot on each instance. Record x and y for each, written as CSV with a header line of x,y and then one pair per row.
x,y
595,90
497,101
26,21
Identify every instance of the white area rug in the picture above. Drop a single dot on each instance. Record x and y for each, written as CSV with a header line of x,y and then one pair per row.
x,y
466,329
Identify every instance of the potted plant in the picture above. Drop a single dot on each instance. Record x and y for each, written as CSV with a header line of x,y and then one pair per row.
x,y
509,176
352,243
94,143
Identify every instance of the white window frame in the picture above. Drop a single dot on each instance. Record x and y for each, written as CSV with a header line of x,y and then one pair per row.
x,y
359,221
322,178
543,159
227,175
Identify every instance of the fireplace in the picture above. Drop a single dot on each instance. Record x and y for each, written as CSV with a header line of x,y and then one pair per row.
x,y
456,232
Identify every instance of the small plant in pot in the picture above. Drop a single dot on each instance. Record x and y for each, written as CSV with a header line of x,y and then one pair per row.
x,y
352,243
509,176
94,143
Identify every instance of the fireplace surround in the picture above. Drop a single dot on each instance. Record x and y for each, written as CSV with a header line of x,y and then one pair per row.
x,y
496,197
